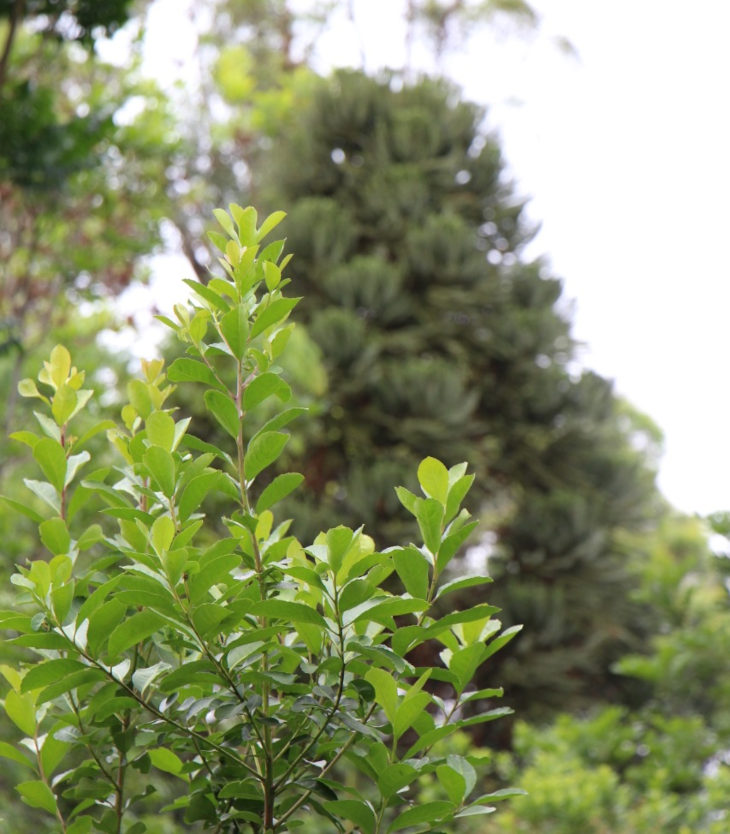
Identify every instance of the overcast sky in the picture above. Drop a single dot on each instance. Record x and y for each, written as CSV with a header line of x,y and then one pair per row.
x,y
624,152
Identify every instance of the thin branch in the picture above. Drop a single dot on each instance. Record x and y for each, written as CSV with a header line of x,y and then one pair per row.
x,y
15,14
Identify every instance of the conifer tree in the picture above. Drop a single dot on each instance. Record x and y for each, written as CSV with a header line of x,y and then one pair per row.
x,y
441,337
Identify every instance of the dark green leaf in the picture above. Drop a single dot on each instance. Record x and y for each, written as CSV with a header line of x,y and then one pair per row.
x,y
355,810
48,672
429,812
133,630
297,612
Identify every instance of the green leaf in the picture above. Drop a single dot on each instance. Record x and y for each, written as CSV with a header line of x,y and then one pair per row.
x,y
430,516
23,508
50,671
241,789
38,795
162,468
225,221
160,428
272,275
355,810
213,298
165,760
224,410
101,623
275,313
63,404
386,691
195,492
28,388
297,612
395,777
407,499
52,460
234,327
434,479
50,429
413,569
270,223
339,541
59,367
246,221
264,386
53,752
84,825
429,812
452,782
21,711
464,663
162,534
452,543
134,630
460,584
262,451
74,463
457,493
91,536
139,397
61,599
408,712
7,751
55,535
279,488
383,610
27,437
185,369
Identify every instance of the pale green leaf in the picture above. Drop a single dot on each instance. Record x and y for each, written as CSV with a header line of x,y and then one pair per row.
x,y
434,479
165,760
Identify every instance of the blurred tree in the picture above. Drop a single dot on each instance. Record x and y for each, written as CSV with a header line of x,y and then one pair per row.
x,y
440,337
83,150
662,767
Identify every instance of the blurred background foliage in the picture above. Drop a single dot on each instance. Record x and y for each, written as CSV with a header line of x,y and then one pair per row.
x,y
425,329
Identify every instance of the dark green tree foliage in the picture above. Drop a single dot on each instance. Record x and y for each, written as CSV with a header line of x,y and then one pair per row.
x,y
440,337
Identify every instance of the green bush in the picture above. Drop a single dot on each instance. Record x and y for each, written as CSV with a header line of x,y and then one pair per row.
x,y
234,675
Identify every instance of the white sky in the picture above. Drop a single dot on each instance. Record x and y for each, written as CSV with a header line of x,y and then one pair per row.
x,y
625,154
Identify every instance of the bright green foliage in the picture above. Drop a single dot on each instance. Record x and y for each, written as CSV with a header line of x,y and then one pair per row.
x,y
440,337
245,666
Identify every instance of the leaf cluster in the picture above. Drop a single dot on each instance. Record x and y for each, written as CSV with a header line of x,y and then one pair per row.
x,y
249,666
